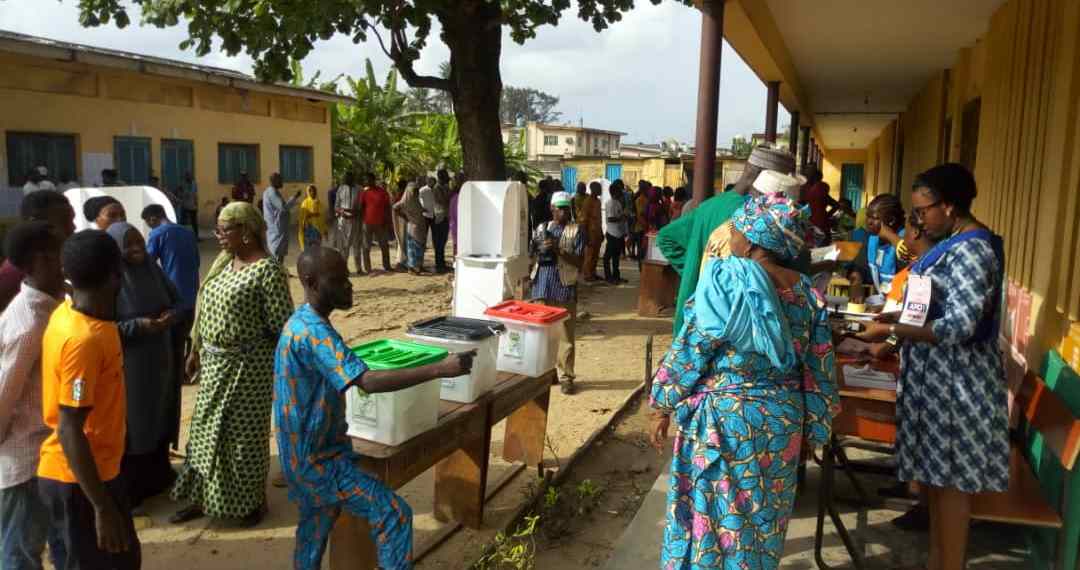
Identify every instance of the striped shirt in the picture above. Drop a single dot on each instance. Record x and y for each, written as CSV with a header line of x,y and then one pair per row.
x,y
22,429
547,285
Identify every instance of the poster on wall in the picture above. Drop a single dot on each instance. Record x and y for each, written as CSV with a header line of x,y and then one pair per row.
x,y
92,165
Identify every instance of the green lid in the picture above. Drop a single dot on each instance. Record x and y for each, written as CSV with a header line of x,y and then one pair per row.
x,y
397,354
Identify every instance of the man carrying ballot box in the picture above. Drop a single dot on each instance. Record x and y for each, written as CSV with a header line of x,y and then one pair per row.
x,y
312,370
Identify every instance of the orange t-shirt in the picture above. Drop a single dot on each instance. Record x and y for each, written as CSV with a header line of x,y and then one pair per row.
x,y
898,286
82,366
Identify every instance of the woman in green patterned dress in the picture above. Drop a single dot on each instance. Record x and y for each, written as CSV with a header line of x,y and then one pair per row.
x,y
243,304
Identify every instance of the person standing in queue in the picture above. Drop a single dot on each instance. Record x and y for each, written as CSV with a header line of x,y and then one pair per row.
x,y
953,425
85,407
559,245
313,368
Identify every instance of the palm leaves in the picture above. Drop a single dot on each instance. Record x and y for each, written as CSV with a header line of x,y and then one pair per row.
x,y
392,133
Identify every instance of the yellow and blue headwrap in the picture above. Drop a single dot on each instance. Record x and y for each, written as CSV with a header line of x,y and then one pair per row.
x,y
775,223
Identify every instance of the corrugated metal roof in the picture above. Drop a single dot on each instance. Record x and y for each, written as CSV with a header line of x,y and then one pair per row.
x,y
14,42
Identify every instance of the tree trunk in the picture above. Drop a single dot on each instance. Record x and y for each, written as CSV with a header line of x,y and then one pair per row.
x,y
473,32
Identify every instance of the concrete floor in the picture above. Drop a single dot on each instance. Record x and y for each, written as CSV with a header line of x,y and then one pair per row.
x,y
992,547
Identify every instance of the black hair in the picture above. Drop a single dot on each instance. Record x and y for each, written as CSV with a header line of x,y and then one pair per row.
x,y
888,206
89,258
36,205
681,194
27,239
594,185
668,192
581,186
154,210
951,183
93,207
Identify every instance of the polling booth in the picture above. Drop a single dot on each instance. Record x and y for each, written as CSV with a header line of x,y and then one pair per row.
x,y
133,198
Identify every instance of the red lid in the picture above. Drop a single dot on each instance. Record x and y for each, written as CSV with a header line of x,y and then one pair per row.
x,y
527,312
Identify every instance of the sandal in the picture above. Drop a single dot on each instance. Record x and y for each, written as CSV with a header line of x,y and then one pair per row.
x,y
187,514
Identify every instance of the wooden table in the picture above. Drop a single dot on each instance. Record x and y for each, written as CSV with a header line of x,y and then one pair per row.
x,y
866,414
459,449
659,288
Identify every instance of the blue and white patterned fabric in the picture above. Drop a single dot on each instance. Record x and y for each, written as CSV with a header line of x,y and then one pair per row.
x,y
953,420
546,284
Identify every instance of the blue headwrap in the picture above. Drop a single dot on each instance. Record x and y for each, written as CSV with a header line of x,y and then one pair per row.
x,y
775,223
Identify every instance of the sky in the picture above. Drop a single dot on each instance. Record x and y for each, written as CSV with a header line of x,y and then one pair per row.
x,y
640,76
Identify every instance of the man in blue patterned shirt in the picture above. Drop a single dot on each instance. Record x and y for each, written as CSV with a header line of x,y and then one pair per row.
x,y
312,370
558,246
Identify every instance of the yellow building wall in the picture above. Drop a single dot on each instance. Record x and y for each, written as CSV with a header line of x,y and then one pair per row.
x,y
1026,69
831,164
98,104
922,127
885,173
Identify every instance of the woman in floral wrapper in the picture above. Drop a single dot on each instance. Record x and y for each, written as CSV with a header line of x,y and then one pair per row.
x,y
748,378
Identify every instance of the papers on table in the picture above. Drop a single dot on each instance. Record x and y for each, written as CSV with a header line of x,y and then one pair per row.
x,y
866,377
823,254
853,346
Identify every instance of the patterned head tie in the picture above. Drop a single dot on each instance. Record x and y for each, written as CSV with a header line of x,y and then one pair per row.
x,y
775,223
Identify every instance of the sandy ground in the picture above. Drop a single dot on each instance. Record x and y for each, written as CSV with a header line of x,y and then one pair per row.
x,y
610,357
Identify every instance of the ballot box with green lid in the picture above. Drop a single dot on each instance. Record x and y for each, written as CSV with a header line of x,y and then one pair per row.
x,y
531,342
458,334
393,418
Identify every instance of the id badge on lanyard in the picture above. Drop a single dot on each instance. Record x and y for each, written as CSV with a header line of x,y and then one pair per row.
x,y
916,301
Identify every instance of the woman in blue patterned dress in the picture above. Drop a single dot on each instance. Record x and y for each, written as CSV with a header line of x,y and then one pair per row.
x,y
748,377
953,425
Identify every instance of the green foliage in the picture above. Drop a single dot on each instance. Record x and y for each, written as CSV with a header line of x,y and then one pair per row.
x,y
527,104
369,134
517,551
273,32
741,148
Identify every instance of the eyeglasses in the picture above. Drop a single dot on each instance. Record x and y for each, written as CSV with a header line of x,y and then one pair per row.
x,y
920,212
223,231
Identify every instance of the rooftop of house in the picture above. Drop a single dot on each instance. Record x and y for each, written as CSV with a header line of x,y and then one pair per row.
x,y
14,42
566,127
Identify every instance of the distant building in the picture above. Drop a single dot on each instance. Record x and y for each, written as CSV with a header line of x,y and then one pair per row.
x,y
547,145
77,109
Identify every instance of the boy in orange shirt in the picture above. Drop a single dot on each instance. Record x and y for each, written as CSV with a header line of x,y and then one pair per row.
x,y
84,405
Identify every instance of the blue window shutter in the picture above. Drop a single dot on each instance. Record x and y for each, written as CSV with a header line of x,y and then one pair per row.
x,y
613,172
569,178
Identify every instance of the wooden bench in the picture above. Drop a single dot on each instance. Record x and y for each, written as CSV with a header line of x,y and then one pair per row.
x,y
459,450
1024,502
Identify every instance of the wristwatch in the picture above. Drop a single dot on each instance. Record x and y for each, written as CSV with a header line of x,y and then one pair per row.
x,y
893,340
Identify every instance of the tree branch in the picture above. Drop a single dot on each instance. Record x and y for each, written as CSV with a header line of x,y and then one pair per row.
x,y
398,54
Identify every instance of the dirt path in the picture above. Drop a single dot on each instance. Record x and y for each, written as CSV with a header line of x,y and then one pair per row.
x,y
610,364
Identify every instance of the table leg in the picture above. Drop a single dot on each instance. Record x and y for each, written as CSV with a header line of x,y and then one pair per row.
x,y
825,504
350,544
461,478
526,430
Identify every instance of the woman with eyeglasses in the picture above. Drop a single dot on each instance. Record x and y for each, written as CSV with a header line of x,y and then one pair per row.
x,y
953,426
242,307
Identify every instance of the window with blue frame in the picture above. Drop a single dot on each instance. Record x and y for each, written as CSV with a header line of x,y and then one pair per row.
x,y
29,150
296,163
236,158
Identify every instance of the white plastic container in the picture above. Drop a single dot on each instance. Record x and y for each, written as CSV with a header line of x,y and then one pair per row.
x,y
482,282
530,345
493,220
392,418
132,198
460,335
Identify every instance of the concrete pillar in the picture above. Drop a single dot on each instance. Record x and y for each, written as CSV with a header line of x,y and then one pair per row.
x,y
804,148
772,108
712,42
793,134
